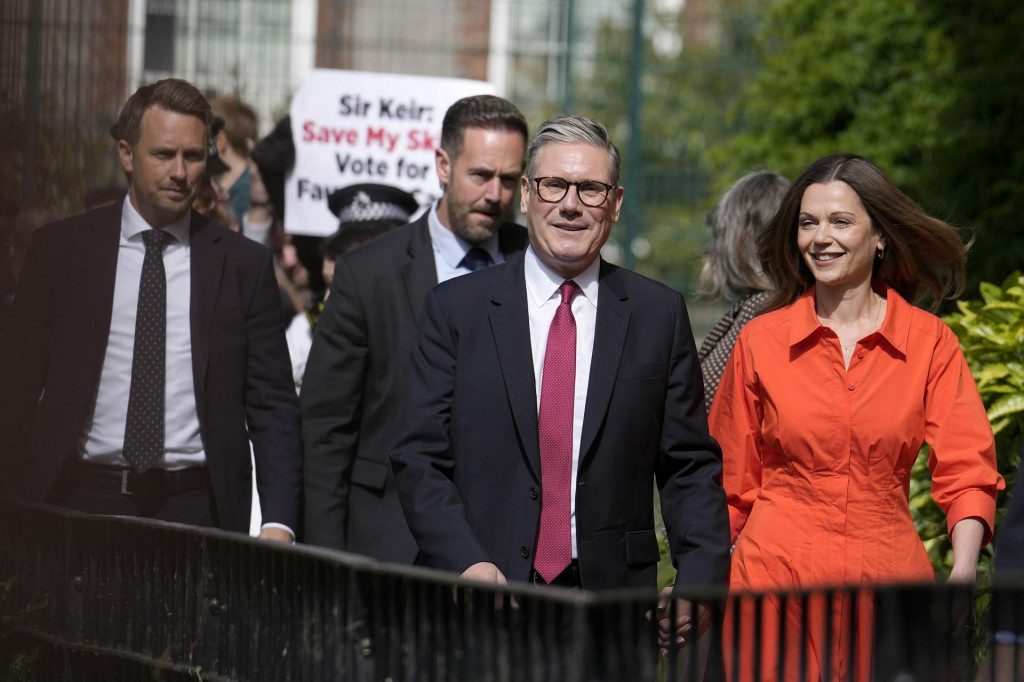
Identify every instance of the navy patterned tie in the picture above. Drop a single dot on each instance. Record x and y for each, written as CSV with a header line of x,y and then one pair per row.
x,y
475,259
144,428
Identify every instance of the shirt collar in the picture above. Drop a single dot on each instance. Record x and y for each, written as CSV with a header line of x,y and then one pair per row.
x,y
133,224
895,327
450,246
543,283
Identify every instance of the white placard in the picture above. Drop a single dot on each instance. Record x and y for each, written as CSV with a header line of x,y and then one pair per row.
x,y
351,127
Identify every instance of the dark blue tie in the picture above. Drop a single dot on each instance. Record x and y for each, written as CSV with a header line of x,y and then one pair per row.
x,y
476,259
144,426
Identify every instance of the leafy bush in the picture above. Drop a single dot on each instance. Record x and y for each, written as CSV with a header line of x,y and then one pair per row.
x,y
991,333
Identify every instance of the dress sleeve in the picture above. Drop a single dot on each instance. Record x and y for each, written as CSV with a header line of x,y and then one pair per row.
x,y
965,479
735,422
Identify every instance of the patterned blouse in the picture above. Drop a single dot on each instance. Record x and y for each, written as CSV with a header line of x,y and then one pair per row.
x,y
717,346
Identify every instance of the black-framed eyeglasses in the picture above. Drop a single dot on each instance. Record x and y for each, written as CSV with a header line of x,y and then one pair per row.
x,y
590,192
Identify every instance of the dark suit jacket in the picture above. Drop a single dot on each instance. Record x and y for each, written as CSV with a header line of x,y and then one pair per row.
x,y
467,460
1009,541
352,387
239,362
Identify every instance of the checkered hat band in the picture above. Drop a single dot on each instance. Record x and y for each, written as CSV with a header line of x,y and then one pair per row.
x,y
360,211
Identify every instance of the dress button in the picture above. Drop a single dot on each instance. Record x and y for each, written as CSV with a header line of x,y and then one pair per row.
x,y
524,552
860,354
851,387
533,494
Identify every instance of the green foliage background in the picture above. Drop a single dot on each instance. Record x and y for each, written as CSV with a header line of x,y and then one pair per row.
x,y
928,89
991,333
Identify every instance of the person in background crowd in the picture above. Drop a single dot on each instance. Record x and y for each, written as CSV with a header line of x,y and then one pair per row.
x,y
364,211
826,402
731,268
547,398
272,158
356,371
146,348
234,142
211,200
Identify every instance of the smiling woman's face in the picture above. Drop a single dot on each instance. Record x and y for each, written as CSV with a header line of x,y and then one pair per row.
x,y
836,237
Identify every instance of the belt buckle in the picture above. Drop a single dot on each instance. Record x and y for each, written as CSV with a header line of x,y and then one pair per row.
x,y
126,476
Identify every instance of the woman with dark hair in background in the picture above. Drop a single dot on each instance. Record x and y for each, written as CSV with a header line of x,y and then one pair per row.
x,y
731,267
824,406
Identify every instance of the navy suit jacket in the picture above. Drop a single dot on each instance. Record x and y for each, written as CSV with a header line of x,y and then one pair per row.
x,y
353,385
50,363
1009,540
467,459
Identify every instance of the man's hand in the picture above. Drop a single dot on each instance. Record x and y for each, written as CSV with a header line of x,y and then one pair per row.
x,y
275,533
682,629
484,572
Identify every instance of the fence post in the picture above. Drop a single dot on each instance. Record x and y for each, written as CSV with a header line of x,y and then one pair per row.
x,y
32,76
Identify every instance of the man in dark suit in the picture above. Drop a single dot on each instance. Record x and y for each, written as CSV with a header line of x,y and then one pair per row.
x,y
547,396
357,365
147,348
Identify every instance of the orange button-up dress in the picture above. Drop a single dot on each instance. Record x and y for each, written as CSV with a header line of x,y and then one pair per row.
x,y
817,457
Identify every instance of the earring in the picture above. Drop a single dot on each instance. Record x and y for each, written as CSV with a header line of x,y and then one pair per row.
x,y
880,253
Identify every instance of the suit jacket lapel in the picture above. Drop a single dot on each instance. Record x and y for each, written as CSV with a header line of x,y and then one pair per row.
x,y
509,319
609,339
207,264
419,275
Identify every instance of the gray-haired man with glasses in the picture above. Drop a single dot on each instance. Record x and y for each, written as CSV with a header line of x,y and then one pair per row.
x,y
547,396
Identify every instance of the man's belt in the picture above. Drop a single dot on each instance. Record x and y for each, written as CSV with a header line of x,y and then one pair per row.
x,y
154,482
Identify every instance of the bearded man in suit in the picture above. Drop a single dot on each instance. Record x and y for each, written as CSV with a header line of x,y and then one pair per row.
x,y
147,348
357,365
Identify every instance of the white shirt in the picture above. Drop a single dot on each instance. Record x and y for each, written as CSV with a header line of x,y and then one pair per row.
x,y
299,336
103,433
450,249
543,300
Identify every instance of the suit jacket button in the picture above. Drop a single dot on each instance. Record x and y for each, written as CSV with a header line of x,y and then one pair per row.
x,y
533,494
524,552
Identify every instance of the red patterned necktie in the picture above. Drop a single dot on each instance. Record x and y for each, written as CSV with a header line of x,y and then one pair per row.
x,y
557,395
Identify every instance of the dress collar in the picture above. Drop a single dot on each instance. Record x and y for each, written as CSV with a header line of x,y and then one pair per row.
x,y
895,327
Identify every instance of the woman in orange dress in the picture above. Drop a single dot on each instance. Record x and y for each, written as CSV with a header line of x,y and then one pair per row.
x,y
823,408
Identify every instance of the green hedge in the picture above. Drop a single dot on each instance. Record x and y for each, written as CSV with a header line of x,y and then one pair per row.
x,y
991,333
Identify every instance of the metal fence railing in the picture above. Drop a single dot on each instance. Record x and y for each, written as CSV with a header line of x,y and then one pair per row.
x,y
100,598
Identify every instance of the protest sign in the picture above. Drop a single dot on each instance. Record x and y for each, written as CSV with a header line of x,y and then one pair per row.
x,y
351,127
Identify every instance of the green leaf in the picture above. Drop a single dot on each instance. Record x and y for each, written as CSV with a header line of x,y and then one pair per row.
x,y
1007,405
990,292
1000,424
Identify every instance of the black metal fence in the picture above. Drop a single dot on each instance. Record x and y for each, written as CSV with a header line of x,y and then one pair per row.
x,y
94,598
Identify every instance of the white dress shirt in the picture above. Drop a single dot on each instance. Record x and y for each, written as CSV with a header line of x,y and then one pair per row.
x,y
543,299
449,249
103,434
